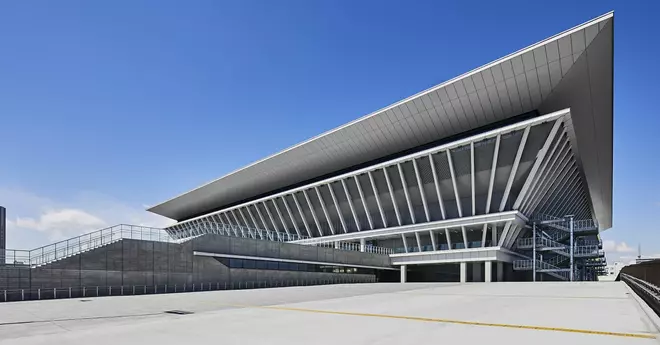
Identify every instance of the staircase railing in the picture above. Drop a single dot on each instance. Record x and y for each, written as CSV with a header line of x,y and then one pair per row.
x,y
66,248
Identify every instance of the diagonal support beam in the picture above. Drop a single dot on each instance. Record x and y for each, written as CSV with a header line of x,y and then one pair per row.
x,y
541,174
302,215
505,233
484,232
350,204
422,193
339,213
405,192
493,168
514,168
464,233
437,187
389,188
474,203
448,237
537,163
364,202
279,213
254,222
313,212
272,220
293,220
325,210
377,195
453,183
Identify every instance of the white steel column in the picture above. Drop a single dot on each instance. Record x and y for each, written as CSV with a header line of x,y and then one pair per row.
x,y
272,220
539,159
463,270
493,235
247,225
364,202
389,188
419,243
484,231
505,232
339,214
377,196
514,168
254,222
293,220
403,273
432,234
311,208
488,271
422,193
405,192
325,210
556,167
453,182
465,241
474,204
448,237
437,187
492,172
405,242
302,215
350,204
363,245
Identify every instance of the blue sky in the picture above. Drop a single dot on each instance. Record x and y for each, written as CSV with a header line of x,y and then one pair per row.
x,y
106,107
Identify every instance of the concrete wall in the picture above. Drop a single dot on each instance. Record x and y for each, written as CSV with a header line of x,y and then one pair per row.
x,y
130,262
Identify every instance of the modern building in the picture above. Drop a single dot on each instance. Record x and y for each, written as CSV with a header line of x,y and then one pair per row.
x,y
502,173
497,173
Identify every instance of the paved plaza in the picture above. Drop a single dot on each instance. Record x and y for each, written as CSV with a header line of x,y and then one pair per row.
x,y
477,313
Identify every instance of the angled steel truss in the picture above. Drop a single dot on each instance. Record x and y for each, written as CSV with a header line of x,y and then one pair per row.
x,y
432,195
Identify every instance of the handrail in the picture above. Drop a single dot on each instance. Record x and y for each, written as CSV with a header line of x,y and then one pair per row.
x,y
76,245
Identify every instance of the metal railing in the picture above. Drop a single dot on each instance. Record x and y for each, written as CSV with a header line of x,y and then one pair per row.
x,y
355,247
10,295
76,245
649,292
79,244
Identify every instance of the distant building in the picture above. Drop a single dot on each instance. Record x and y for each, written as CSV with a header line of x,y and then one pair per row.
x,y
3,234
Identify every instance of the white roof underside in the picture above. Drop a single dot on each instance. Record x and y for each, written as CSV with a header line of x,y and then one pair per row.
x,y
569,70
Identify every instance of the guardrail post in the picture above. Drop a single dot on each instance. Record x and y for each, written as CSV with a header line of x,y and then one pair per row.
x,y
39,293
97,291
5,293
84,290
54,293
145,287
69,292
134,289
22,295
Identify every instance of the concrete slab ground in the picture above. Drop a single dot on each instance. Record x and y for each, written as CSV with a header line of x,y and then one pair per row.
x,y
473,313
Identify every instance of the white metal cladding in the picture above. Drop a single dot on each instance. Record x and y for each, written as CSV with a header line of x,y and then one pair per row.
x,y
527,167
537,77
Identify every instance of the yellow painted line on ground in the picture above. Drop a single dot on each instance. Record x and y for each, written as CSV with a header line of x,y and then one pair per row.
x,y
461,322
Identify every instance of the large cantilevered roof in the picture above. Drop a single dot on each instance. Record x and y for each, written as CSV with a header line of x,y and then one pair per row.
x,y
573,69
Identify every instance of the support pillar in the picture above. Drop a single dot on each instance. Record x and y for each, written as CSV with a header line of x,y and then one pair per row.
x,y
463,272
363,245
336,245
488,272
500,271
403,273
476,272
572,244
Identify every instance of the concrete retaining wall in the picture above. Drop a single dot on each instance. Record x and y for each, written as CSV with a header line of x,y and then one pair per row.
x,y
130,262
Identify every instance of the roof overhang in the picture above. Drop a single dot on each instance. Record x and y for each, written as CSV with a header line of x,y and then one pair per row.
x,y
573,69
